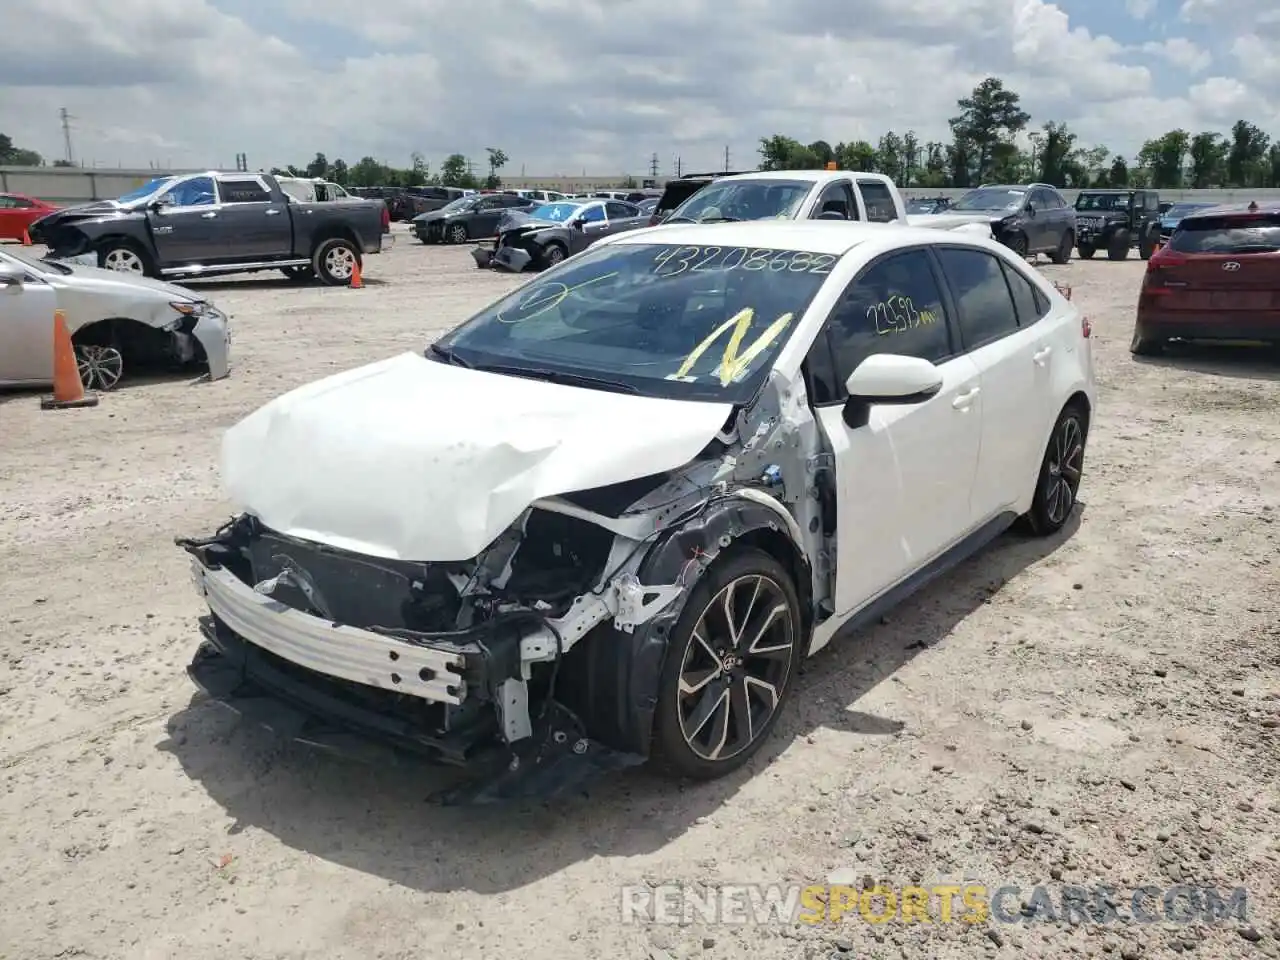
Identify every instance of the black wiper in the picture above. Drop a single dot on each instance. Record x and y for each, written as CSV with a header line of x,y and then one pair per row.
x,y
679,220
448,356
720,220
1254,248
557,376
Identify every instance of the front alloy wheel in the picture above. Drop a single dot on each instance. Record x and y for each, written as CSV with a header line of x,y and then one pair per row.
x,y
100,367
731,661
123,260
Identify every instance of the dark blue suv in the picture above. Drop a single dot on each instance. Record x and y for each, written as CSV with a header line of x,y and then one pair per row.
x,y
1029,219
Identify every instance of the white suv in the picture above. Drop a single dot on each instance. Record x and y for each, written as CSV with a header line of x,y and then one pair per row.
x,y
610,514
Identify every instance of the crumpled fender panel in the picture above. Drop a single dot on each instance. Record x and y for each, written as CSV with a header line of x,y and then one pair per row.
x,y
625,668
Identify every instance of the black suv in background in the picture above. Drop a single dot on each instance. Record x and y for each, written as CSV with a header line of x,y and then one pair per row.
x,y
1028,219
1117,221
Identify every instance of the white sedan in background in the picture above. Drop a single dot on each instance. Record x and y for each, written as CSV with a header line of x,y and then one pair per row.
x,y
119,323
687,458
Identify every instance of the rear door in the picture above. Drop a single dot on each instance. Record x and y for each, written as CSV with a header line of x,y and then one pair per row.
x,y
1007,357
1222,267
622,217
254,227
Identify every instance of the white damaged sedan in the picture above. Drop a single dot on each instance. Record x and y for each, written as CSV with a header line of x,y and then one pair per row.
x,y
608,516
118,323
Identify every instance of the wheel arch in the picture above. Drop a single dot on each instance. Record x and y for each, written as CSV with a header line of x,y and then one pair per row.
x,y
336,231
617,673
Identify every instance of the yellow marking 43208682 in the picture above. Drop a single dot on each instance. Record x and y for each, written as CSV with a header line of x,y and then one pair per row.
x,y
732,363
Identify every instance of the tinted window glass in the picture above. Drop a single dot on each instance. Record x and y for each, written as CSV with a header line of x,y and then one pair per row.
x,y
7,203
746,200
244,191
22,203
879,201
693,322
620,211
837,198
821,379
982,296
1242,234
593,213
1024,296
894,307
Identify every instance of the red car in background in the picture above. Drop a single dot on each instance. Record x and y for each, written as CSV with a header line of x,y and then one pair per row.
x,y
18,212
1218,278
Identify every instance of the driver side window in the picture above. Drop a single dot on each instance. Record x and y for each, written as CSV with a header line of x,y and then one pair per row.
x,y
196,192
837,198
593,214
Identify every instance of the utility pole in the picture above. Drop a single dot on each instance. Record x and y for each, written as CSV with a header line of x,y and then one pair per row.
x,y
66,132
679,166
726,158
653,165
470,168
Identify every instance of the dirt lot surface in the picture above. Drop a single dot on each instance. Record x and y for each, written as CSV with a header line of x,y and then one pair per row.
x,y
1098,709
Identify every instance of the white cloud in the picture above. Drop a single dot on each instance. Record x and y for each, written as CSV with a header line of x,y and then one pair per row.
x,y
1180,52
563,85
1140,9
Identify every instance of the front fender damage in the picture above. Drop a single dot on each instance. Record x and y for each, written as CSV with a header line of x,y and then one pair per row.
x,y
559,680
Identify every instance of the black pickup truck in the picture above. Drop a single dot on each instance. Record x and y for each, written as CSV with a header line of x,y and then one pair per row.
x,y
202,224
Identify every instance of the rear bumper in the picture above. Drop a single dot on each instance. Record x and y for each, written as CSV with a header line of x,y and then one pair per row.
x,y
1253,327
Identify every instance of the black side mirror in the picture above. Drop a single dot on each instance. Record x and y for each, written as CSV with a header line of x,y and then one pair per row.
x,y
578,223
1031,209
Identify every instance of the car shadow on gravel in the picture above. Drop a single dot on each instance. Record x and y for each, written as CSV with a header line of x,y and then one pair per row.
x,y
381,820
1223,360
272,283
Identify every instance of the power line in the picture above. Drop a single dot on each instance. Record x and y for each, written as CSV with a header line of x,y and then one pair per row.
x,y
66,132
653,165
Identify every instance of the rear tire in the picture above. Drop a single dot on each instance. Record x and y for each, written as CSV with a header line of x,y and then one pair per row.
x,y
1063,254
747,692
1086,251
1119,244
334,261
1061,470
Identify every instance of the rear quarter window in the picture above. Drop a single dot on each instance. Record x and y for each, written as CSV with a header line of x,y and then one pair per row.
x,y
1228,234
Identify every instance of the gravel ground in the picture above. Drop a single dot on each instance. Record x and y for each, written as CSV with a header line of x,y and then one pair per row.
x,y
1098,709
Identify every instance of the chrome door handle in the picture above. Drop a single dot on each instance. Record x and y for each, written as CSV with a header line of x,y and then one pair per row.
x,y
208,216
1041,356
273,213
965,400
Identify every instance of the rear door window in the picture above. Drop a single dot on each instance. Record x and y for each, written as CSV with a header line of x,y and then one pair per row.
x,y
1228,234
982,295
245,191
620,211
879,200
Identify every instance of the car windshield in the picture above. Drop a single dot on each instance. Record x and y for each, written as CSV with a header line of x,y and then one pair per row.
x,y
1102,201
146,190
559,212
921,206
991,198
1228,234
42,266
663,320
745,200
1179,210
462,203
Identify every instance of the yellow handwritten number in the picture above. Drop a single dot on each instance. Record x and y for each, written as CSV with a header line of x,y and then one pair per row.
x,y
732,363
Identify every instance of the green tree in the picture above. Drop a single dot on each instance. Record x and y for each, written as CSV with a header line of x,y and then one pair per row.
x,y
318,167
453,172
497,160
421,173
1163,158
822,152
959,163
779,152
368,172
1208,159
1118,176
857,155
339,172
1057,161
1247,155
988,119
935,165
910,158
889,156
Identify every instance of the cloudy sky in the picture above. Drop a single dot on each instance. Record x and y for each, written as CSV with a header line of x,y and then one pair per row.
x,y
600,85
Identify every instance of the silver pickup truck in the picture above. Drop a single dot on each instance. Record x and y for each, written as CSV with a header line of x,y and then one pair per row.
x,y
203,224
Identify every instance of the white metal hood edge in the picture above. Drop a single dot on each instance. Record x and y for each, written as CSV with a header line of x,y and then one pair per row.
x,y
413,459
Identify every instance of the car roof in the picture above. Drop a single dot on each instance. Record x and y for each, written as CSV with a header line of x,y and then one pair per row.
x,y
813,236
1265,208
806,176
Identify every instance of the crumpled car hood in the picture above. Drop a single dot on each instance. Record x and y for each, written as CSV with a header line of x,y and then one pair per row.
x,y
413,459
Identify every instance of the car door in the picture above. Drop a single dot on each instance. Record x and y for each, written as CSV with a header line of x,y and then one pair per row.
x,y
484,218
1044,225
1009,360
26,327
836,198
253,226
186,228
904,478
10,225
592,223
622,216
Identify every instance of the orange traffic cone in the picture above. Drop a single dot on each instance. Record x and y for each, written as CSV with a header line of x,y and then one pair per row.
x,y
68,391
26,238
356,282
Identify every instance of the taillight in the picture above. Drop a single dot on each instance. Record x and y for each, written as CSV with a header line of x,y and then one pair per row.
x,y
1086,328
1153,281
386,216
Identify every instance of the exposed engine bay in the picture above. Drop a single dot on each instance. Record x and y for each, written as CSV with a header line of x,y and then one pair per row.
x,y
542,651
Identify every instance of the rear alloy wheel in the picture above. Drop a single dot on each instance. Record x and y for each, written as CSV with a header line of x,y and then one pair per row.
x,y
100,367
730,663
1063,254
458,233
335,262
1060,474
123,258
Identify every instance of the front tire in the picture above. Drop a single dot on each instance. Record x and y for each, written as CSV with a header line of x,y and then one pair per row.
x,y
124,256
1086,251
335,260
1119,244
1063,254
458,233
553,255
1018,244
1060,473
730,663
1147,245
